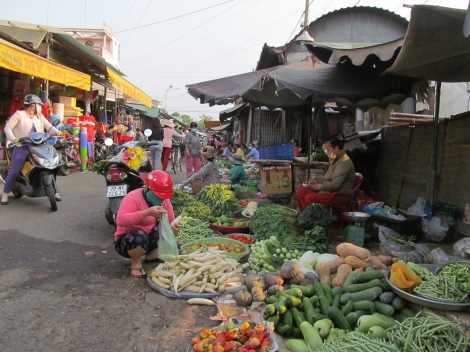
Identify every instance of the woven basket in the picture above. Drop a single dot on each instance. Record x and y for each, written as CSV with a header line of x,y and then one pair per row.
x,y
229,229
221,240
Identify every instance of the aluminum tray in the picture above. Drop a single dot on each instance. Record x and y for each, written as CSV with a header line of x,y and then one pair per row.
x,y
426,302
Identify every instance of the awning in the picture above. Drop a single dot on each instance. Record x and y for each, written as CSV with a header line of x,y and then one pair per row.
x,y
234,111
290,86
128,88
19,60
435,47
221,128
166,116
150,112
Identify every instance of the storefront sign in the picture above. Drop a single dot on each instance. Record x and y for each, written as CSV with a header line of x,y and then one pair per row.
x,y
16,59
128,88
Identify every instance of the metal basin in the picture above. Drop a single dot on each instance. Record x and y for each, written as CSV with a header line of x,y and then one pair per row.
x,y
356,216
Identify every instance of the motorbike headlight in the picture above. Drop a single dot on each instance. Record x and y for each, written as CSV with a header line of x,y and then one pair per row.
x,y
46,163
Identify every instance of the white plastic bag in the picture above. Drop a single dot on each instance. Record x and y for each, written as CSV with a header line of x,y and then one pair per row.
x,y
459,247
167,246
418,207
434,229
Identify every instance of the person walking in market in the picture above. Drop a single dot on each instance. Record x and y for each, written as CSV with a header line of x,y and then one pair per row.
x,y
139,136
340,176
208,174
156,143
192,152
138,218
168,134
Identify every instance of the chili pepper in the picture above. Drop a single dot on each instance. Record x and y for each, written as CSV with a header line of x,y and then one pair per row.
x,y
245,325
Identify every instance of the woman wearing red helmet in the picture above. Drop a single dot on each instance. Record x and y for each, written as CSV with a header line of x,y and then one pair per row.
x,y
138,218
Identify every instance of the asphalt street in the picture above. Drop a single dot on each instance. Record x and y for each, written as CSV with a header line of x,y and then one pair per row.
x,y
64,288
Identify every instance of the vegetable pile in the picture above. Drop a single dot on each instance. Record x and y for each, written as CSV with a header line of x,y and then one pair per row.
x,y
272,219
180,198
225,221
246,239
220,199
196,210
192,229
314,215
270,255
199,272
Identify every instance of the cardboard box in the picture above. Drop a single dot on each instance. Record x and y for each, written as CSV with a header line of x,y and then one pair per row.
x,y
68,101
276,179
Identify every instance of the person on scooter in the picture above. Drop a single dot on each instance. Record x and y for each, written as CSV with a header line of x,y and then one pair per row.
x,y
22,123
138,218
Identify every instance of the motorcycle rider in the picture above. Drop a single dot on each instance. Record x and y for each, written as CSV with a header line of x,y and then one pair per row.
x,y
22,123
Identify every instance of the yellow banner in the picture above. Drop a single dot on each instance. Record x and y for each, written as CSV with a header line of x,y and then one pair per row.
x,y
19,60
128,88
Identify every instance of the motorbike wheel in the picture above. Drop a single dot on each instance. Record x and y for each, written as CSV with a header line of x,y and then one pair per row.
x,y
109,215
50,194
16,193
64,170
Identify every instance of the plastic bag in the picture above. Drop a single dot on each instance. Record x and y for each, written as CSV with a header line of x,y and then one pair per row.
x,y
434,229
418,207
389,247
167,246
460,246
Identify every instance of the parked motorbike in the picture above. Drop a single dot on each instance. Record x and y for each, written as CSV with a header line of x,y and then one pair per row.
x,y
37,177
122,179
101,150
68,155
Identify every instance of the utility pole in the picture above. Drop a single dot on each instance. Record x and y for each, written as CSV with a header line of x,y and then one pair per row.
x,y
306,14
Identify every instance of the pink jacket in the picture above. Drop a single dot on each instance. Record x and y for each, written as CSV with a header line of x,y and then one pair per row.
x,y
168,134
129,217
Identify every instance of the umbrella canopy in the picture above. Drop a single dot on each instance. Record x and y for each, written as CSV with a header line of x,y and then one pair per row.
x,y
290,86
435,47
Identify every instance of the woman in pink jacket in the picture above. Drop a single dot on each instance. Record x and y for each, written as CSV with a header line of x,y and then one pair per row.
x,y
168,134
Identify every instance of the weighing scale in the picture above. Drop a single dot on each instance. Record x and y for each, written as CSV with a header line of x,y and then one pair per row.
x,y
355,233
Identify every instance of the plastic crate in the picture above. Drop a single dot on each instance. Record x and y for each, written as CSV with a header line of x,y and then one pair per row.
x,y
285,151
263,152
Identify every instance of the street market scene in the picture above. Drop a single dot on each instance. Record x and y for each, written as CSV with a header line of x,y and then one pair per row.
x,y
308,196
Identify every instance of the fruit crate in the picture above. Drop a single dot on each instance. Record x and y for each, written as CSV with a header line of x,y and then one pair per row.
x,y
219,240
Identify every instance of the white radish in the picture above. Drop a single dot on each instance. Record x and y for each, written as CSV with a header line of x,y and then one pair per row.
x,y
203,301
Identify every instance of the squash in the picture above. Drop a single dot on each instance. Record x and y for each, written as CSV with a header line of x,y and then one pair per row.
x,y
343,272
355,263
272,290
261,284
386,259
306,282
289,269
273,279
297,278
323,272
375,262
258,294
249,280
243,298
312,276
346,249
334,264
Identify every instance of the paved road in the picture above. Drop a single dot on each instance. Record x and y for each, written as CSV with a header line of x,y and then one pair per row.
x,y
64,288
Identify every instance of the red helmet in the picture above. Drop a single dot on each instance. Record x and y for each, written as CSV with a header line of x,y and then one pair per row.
x,y
160,183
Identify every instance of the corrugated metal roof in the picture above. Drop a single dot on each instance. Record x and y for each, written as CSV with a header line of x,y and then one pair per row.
x,y
32,36
150,112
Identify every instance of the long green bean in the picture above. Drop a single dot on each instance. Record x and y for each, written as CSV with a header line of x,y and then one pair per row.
x,y
444,288
354,342
192,230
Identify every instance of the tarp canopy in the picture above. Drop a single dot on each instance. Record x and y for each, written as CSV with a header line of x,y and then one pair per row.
x,y
150,112
435,47
166,116
292,85
234,111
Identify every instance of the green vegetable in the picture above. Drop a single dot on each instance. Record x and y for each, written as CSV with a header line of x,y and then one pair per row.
x,y
408,312
307,291
282,329
352,319
350,280
328,293
196,210
292,301
270,220
367,321
361,287
192,230
338,318
308,309
358,342
297,316
364,305
314,215
348,308
378,332
384,308
441,287
274,319
398,303
220,199
324,305
296,345
387,297
288,320
419,270
369,275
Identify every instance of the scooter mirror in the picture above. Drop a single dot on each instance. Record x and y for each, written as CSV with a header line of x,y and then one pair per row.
x,y
108,142
148,132
55,122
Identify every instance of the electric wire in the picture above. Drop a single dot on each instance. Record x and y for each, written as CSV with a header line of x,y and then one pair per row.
x,y
127,12
173,18
303,13
145,11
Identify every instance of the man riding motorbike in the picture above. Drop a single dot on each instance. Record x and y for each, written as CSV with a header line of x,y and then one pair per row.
x,y
22,123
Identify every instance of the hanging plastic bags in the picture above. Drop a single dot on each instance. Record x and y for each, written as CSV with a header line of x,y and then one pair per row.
x,y
167,246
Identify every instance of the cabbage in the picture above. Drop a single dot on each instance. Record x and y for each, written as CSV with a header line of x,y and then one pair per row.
x,y
252,205
308,260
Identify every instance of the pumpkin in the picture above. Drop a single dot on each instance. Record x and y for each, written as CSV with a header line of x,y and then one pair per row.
x,y
346,249
260,284
323,272
306,282
272,290
243,298
341,275
297,278
249,280
273,279
289,269
375,262
334,264
312,276
355,263
258,294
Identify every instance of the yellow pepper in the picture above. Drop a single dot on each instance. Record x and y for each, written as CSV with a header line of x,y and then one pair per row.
x,y
404,278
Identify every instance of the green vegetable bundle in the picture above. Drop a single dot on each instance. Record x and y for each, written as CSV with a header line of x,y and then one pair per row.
x,y
180,198
196,210
314,240
192,229
428,333
355,342
320,156
100,167
220,199
273,220
313,215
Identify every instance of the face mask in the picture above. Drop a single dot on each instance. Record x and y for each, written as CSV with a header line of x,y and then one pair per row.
x,y
153,199
194,130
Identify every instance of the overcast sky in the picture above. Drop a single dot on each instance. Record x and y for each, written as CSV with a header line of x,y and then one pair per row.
x,y
221,38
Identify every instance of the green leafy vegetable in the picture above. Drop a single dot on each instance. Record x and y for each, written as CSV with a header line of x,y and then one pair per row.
x,y
272,220
313,215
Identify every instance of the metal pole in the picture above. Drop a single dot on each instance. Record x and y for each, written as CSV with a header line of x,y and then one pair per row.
x,y
250,125
309,132
436,141
104,103
306,14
